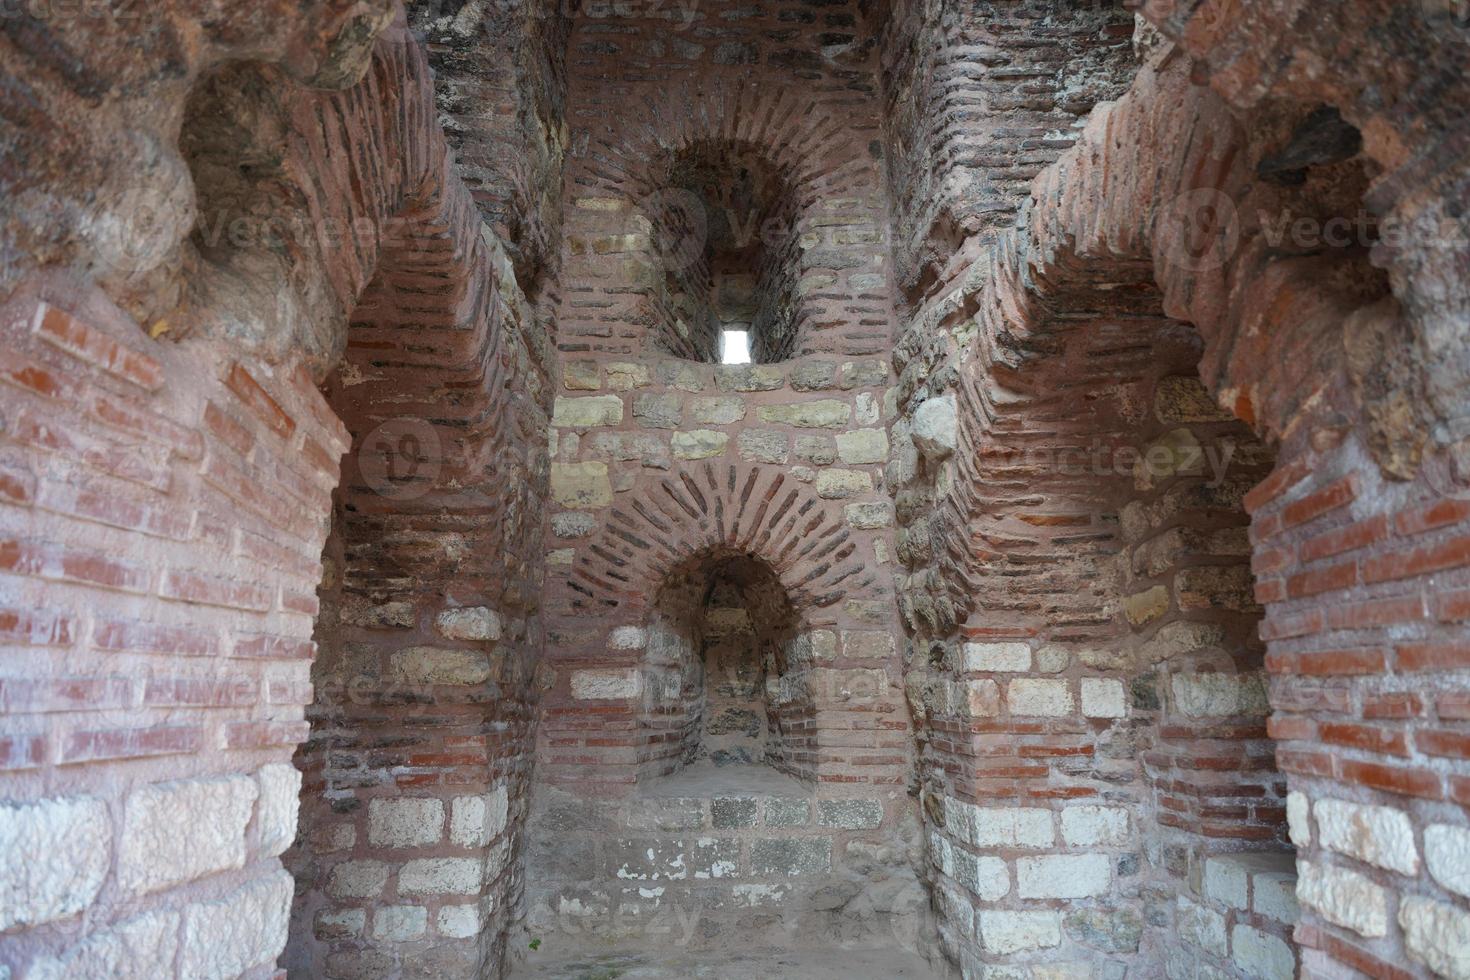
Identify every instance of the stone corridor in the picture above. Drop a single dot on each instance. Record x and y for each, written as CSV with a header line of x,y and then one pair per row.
x,y
734,488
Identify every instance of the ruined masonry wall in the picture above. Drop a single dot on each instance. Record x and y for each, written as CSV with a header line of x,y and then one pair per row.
x,y
161,545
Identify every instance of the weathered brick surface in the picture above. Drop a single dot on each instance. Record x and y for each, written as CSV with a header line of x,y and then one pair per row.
x,y
168,629
966,554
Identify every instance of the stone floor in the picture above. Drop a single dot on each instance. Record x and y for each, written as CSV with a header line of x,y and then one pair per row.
x,y
804,965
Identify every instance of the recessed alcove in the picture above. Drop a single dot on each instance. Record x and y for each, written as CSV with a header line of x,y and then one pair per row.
x,y
724,701
725,233
723,696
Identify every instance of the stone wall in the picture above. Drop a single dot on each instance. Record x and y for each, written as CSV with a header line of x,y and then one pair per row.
x,y
500,86
659,463
978,99
1259,244
658,91
1089,237
418,764
206,462
163,600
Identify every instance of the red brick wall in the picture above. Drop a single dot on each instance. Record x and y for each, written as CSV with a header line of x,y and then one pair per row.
x,y
419,760
1266,320
978,99
163,515
645,92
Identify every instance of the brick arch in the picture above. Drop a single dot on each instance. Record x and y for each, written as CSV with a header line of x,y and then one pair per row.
x,y
1102,235
1349,535
773,119
344,177
758,511
833,183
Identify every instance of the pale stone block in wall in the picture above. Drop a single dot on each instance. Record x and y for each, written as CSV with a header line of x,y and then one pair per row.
x,y
868,644
978,699
34,891
699,443
438,665
1039,697
400,923
340,924
1095,826
1146,606
869,515
749,377
863,374
459,921
865,409
357,879
1447,853
586,412
824,413
580,376
988,877
862,446
405,822
941,852
786,813
476,820
131,950
581,486
1229,877
1436,934
821,450
1063,875
791,856
358,611
934,428
477,623
686,375
1343,897
717,410
1298,807
1227,882
850,814
997,657
1274,896
573,525
763,446
244,929
840,484
647,448
1200,926
1379,835
1016,932
1261,954
1103,697
612,683
178,831
625,376
658,411
275,813
1009,826
956,907
628,638
1219,695
440,876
